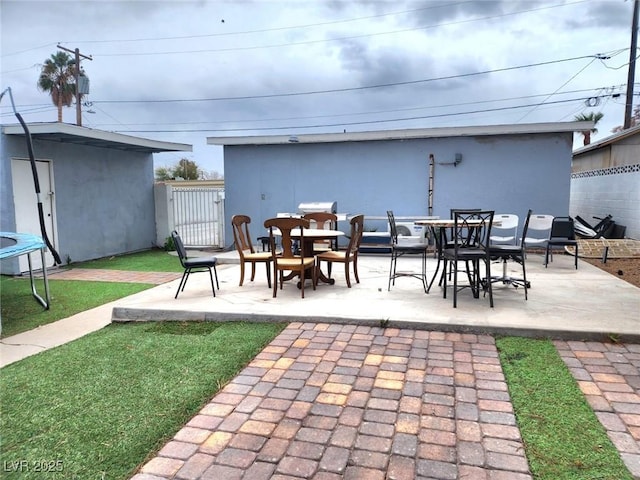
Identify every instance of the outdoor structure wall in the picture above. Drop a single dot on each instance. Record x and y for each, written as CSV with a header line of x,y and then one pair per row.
x,y
614,191
605,180
7,210
103,197
505,173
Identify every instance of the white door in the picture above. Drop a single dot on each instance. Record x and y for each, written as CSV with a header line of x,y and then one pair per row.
x,y
26,205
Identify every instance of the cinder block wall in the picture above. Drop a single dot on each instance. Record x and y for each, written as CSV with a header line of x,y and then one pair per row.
x,y
604,191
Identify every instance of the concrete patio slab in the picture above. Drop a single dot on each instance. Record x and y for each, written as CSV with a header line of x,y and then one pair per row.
x,y
563,303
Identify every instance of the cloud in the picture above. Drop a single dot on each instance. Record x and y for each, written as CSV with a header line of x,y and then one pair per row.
x,y
607,14
167,50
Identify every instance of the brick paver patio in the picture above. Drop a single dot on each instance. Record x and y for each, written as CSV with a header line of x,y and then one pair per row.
x,y
337,401
609,377
104,275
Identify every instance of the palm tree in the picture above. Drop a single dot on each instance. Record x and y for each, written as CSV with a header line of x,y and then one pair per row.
x,y
57,78
589,117
635,120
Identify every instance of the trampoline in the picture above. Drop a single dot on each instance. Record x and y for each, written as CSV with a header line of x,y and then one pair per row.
x,y
17,244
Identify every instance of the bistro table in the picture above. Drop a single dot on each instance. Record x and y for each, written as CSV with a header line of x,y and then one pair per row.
x,y
439,228
312,235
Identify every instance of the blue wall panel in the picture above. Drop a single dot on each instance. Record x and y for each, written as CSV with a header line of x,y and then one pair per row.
x,y
506,173
103,197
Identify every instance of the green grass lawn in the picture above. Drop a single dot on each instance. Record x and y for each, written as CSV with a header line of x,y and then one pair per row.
x,y
155,260
21,312
562,436
101,405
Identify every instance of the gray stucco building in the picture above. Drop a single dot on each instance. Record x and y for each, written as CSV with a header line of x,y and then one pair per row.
x,y
96,189
417,172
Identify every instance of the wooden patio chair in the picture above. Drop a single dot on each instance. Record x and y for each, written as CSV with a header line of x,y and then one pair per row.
x,y
348,256
298,265
244,246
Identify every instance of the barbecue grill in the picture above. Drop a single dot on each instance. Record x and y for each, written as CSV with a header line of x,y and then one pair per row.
x,y
313,207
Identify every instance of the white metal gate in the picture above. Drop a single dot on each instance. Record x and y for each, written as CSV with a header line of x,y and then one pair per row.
x,y
198,215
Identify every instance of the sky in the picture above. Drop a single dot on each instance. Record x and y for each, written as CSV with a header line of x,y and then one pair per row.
x,y
182,71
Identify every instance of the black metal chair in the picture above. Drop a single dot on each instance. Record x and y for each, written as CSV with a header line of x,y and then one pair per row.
x,y
562,235
193,265
400,249
516,253
471,234
449,239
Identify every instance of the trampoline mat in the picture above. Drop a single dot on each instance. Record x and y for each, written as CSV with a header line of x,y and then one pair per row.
x,y
15,244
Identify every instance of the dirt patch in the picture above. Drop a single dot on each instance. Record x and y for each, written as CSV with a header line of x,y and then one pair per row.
x,y
628,269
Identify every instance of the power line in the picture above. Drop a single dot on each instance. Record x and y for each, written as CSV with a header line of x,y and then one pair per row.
x,y
349,89
559,88
26,50
367,122
371,112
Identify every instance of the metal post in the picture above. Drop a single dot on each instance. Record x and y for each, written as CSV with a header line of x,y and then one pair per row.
x,y
632,67
76,75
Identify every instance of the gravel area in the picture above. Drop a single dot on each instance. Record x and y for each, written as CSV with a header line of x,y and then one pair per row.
x,y
627,269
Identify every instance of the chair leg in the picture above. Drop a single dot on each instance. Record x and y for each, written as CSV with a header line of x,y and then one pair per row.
x,y
443,278
423,275
487,263
302,279
253,271
212,287
275,281
241,273
455,282
183,280
471,278
314,277
267,264
546,257
524,278
346,274
215,272
355,268
576,259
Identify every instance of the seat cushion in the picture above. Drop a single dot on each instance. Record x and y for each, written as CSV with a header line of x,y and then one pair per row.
x,y
464,253
258,256
332,255
295,262
504,249
562,241
201,262
411,247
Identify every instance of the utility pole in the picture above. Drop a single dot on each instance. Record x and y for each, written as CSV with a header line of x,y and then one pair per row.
x,y
77,54
632,66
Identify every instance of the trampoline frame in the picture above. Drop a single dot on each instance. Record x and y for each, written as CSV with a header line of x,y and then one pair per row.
x,y
26,244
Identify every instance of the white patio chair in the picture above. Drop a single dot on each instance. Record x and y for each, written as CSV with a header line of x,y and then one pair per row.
x,y
505,229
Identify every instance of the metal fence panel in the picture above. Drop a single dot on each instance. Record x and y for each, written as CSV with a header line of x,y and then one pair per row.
x,y
198,214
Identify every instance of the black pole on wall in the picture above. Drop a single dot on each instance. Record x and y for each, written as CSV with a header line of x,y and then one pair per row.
x,y
632,66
